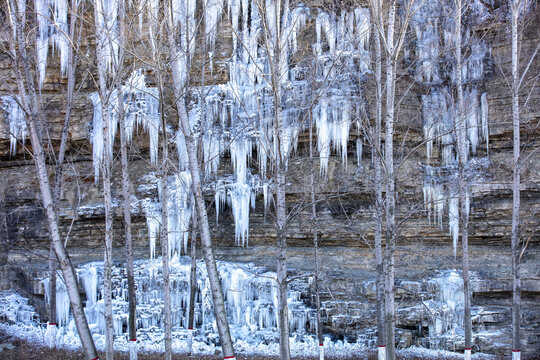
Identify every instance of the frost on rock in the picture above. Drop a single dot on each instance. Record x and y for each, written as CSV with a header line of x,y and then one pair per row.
x,y
15,308
15,116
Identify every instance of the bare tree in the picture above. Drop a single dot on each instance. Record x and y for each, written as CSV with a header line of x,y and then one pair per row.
x,y
179,68
384,17
518,10
29,101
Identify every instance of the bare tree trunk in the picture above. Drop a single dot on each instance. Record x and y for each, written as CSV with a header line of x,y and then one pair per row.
x,y
378,216
516,283
463,188
167,317
51,326
72,65
126,193
315,241
105,94
107,198
132,297
281,251
192,283
202,216
390,185
29,102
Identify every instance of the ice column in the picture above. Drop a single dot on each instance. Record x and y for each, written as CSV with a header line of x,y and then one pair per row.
x,y
17,122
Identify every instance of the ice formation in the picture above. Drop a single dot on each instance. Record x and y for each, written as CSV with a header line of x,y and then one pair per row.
x,y
107,41
141,109
446,307
250,294
180,205
17,122
62,299
15,308
434,28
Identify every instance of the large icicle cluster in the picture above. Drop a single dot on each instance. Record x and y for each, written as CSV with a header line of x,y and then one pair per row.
x,y
16,120
446,306
141,108
250,295
62,299
342,53
52,30
434,27
180,205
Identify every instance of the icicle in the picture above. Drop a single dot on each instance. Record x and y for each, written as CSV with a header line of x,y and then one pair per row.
x,y
212,16
323,135
211,153
240,154
472,118
180,204
62,303
485,119
107,45
42,42
359,152
240,195
59,32
453,221
97,135
15,116
220,198
153,216
267,198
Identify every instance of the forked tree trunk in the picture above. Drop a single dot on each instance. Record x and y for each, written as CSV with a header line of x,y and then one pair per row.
x,y
202,216
29,102
516,283
378,215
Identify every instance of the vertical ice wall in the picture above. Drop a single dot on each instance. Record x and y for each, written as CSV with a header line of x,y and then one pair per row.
x,y
250,295
433,23
445,309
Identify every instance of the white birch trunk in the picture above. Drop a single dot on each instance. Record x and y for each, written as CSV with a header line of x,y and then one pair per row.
x,y
516,184
35,120
202,216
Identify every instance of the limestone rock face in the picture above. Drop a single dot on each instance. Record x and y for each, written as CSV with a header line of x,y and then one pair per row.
x,y
345,212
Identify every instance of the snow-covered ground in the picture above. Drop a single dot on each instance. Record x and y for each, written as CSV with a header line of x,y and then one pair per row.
x,y
20,320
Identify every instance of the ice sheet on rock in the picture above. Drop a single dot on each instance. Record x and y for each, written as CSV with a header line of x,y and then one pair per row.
x,y
250,295
15,308
15,116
